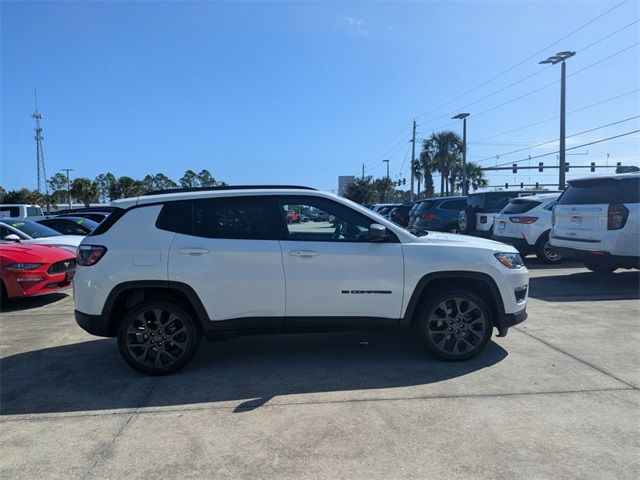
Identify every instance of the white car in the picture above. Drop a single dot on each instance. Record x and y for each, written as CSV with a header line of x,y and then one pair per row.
x,y
525,223
597,221
222,262
19,230
20,210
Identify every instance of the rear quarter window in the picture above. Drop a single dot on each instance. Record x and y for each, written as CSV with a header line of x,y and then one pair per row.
x,y
520,206
601,191
456,205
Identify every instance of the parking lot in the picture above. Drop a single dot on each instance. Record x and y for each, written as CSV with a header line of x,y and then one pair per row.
x,y
557,398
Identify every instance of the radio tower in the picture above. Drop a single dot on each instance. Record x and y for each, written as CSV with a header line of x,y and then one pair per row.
x,y
42,176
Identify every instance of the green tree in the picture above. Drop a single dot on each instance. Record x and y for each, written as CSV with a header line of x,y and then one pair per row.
x,y
159,181
126,187
59,187
189,179
384,187
416,169
205,179
3,193
475,177
106,182
85,191
361,190
444,150
24,195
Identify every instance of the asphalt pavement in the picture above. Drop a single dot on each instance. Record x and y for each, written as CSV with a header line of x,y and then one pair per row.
x,y
557,398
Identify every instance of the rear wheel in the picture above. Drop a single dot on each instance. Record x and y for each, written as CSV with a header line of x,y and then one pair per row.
x,y
455,324
157,337
600,268
467,220
453,228
545,252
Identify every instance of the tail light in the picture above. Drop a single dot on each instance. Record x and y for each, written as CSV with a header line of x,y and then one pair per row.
x,y
90,254
525,220
616,216
428,216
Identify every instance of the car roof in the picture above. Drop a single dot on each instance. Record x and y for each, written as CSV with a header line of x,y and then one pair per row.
x,y
616,176
540,197
215,192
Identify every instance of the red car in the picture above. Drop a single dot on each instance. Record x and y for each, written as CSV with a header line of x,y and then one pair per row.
x,y
27,270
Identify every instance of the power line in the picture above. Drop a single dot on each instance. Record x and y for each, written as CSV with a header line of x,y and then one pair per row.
x,y
607,36
556,139
526,59
604,59
555,117
385,145
571,148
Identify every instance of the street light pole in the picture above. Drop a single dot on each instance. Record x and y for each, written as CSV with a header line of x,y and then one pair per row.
x,y
387,162
465,182
68,184
560,57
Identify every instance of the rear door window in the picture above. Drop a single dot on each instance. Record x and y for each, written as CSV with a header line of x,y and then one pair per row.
x,y
601,191
426,205
453,205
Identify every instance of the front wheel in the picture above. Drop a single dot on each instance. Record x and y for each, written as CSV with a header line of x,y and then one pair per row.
x,y
157,337
600,268
455,324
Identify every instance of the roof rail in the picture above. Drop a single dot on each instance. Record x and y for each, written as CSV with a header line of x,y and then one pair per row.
x,y
228,187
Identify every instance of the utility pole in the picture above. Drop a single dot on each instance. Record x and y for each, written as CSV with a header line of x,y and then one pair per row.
x,y
387,162
68,184
465,182
363,170
560,57
413,158
42,176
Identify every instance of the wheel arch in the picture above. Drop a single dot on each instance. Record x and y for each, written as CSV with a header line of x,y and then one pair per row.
x,y
480,283
128,294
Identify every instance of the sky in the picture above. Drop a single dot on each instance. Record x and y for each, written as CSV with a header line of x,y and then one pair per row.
x,y
302,92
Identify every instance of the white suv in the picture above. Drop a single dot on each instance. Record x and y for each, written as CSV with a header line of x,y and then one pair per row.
x,y
164,269
597,221
525,223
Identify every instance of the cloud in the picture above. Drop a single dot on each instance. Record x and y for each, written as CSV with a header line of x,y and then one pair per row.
x,y
356,25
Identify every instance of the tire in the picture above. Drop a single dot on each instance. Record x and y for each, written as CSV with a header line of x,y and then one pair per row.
x,y
452,228
467,221
545,252
4,297
445,321
600,268
157,337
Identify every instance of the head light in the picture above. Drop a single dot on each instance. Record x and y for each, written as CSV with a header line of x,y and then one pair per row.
x,y
510,260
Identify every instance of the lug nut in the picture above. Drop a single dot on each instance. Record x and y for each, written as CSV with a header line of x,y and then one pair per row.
x,y
164,338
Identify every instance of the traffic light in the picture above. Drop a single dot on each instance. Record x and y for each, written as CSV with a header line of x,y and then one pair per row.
x,y
566,166
537,185
506,185
593,166
521,185
404,181
540,166
514,168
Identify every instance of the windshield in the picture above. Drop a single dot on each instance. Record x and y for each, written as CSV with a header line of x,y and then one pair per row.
x,y
32,229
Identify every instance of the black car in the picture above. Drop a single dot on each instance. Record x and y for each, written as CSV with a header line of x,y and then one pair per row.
x,y
95,216
438,214
70,225
400,214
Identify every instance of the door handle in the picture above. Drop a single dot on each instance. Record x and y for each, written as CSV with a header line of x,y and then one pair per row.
x,y
303,253
193,251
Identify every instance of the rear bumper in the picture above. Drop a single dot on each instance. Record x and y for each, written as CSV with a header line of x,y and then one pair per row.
x,y
94,324
519,243
598,257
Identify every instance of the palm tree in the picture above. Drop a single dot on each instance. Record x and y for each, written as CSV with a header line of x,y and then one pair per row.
x,y
475,177
85,190
416,169
444,149
428,168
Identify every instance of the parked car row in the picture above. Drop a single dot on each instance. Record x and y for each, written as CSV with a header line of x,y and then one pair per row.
x,y
37,251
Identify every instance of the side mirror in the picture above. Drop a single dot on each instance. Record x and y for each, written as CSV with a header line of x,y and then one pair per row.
x,y
377,233
12,237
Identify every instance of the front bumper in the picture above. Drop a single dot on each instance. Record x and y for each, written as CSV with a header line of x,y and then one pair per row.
x,y
94,324
508,320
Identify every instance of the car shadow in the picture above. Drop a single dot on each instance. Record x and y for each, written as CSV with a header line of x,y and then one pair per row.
x,y
586,286
25,303
90,376
532,263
